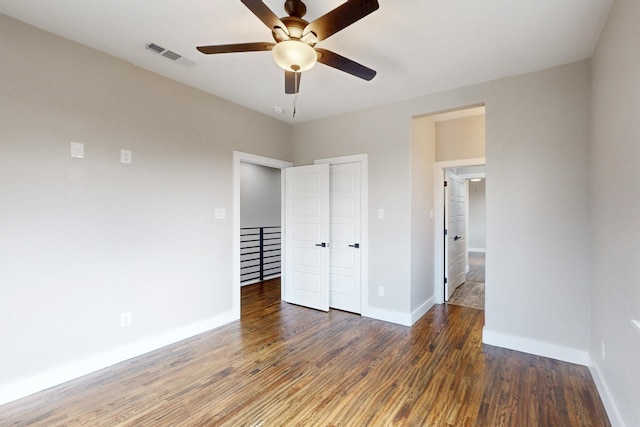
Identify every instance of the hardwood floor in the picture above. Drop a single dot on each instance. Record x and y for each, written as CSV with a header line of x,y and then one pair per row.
x,y
284,365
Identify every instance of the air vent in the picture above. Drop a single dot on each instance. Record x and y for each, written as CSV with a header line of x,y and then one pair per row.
x,y
169,54
155,48
186,62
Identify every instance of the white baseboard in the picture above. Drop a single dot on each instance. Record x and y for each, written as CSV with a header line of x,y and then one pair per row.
x,y
403,319
482,250
615,418
422,310
539,348
33,384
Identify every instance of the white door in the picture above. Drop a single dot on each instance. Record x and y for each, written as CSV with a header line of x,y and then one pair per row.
x,y
344,267
307,236
455,246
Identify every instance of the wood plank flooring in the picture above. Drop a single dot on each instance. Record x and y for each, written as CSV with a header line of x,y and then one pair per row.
x,y
284,365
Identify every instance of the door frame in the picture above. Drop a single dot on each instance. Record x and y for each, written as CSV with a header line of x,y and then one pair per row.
x,y
363,159
438,250
241,157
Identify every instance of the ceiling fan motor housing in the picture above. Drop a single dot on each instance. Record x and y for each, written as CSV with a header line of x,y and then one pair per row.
x,y
295,26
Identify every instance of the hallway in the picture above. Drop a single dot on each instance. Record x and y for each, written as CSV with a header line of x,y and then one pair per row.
x,y
471,293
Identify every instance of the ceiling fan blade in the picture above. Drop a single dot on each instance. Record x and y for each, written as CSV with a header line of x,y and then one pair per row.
x,y
291,82
341,17
341,63
239,47
265,14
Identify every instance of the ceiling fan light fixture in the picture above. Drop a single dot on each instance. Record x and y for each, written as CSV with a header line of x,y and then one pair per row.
x,y
294,55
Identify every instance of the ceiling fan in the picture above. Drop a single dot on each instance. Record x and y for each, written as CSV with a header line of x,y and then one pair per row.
x,y
295,39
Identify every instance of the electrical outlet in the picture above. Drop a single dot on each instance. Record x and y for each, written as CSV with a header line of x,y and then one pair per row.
x,y
125,156
603,350
380,291
125,319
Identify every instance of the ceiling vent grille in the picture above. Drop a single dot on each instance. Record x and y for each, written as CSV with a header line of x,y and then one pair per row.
x,y
171,55
155,48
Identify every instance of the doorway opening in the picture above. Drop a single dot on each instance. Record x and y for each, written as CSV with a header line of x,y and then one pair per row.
x,y
262,168
338,275
460,142
260,233
471,291
326,238
260,223
442,236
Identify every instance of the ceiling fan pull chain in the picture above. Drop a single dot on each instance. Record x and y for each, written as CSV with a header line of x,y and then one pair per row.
x,y
295,97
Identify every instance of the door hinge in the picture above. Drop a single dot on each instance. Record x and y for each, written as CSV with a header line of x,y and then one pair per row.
x,y
446,231
445,183
445,280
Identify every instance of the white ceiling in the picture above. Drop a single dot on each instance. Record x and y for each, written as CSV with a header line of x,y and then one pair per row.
x,y
418,47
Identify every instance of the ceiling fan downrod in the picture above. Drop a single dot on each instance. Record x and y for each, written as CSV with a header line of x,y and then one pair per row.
x,y
295,8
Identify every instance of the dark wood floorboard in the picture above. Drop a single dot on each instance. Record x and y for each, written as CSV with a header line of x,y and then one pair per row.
x,y
284,365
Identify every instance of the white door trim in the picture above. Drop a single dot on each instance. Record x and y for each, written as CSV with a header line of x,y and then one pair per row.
x,y
240,157
364,223
438,266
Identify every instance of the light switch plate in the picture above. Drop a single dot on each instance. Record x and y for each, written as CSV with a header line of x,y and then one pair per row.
x,y
380,213
77,150
220,213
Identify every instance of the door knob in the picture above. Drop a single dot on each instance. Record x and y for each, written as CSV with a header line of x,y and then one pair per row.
x,y
455,239
322,245
355,245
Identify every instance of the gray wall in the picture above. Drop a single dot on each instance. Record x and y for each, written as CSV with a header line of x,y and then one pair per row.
x,y
84,240
538,163
615,206
477,216
423,152
536,124
260,194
